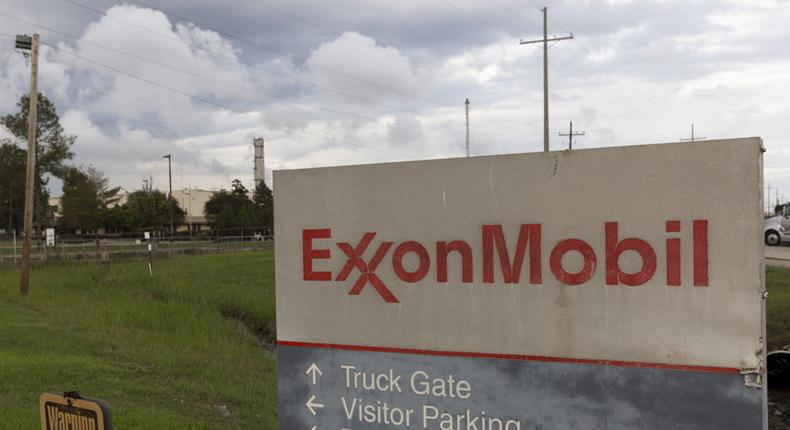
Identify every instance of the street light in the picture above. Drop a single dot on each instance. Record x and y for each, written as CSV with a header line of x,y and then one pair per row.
x,y
188,193
170,193
24,42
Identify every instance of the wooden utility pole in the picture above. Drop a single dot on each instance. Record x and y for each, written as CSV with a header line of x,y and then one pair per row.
x,y
467,126
570,135
545,42
31,166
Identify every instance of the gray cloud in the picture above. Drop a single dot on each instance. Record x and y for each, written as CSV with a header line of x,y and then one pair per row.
x,y
371,82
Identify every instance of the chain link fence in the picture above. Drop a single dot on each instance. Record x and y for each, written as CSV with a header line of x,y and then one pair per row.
x,y
133,245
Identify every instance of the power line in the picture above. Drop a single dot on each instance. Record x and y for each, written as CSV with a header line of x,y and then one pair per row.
x,y
298,18
239,62
607,68
303,82
178,69
511,13
216,104
323,27
468,14
280,53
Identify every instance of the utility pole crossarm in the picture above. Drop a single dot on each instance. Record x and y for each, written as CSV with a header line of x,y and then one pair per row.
x,y
552,39
571,134
693,137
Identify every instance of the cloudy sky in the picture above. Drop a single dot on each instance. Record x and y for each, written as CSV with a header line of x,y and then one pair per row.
x,y
346,82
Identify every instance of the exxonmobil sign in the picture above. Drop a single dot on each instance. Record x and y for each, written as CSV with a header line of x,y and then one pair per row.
x,y
609,288
370,254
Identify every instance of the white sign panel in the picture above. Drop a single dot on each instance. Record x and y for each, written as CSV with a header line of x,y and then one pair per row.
x,y
645,262
50,237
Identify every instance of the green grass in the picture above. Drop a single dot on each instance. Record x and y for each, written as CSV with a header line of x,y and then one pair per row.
x,y
778,307
163,351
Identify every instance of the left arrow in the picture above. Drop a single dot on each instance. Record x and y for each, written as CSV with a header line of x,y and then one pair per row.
x,y
312,406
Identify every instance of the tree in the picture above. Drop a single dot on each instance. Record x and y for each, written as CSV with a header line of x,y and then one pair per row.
x,y
53,146
108,196
231,211
12,187
264,203
116,219
82,207
150,210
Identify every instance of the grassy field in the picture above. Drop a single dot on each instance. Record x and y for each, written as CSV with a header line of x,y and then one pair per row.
x,y
778,307
165,352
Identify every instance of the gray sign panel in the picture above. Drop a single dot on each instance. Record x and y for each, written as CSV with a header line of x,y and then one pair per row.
x,y
327,388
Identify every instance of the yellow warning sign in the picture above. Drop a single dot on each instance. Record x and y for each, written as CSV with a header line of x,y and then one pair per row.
x,y
70,411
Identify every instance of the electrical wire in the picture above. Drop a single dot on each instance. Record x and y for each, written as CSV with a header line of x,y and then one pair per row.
x,y
217,104
318,25
511,13
235,60
177,69
300,81
577,41
282,54
468,14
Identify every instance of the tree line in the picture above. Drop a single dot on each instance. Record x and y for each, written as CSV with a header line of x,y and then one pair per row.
x,y
89,203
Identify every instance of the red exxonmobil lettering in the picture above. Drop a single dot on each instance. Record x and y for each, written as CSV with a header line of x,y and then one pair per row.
x,y
495,244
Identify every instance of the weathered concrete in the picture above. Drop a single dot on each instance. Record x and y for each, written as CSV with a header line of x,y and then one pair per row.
x,y
360,263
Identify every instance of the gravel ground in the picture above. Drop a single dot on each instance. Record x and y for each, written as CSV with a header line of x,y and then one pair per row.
x,y
779,408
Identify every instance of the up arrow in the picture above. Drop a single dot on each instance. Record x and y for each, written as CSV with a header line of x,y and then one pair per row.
x,y
314,372
311,406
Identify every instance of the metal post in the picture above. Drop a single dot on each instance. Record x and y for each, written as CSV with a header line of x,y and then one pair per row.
x,y
545,82
24,283
570,137
170,192
467,127
15,254
189,217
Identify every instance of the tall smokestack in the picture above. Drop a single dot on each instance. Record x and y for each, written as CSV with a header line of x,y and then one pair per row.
x,y
260,172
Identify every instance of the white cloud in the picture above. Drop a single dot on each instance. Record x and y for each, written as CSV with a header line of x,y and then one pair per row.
x,y
379,73
637,72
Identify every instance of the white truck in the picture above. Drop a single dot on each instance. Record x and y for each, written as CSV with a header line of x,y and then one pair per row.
x,y
777,228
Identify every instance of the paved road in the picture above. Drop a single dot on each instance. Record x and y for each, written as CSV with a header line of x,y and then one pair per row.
x,y
777,255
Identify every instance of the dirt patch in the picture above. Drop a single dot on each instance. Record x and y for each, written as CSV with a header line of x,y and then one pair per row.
x,y
258,329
